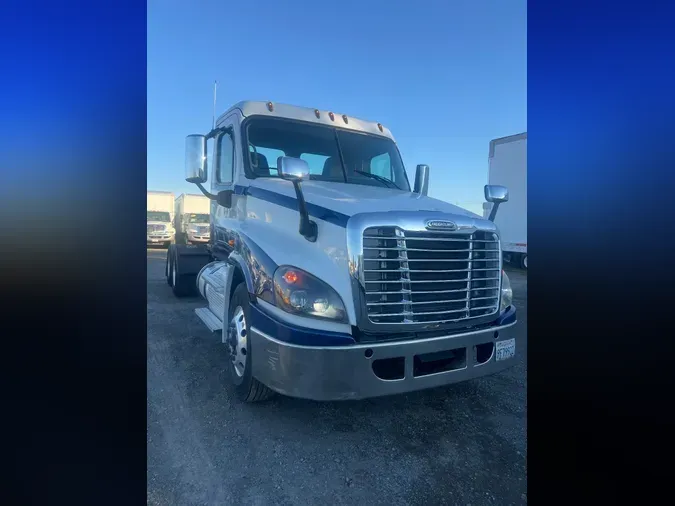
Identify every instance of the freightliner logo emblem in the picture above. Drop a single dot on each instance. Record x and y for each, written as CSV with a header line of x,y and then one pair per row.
x,y
441,225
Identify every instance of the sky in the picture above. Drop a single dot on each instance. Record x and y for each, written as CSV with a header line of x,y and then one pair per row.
x,y
445,77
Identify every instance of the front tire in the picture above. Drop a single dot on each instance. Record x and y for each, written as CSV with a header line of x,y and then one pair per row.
x,y
248,389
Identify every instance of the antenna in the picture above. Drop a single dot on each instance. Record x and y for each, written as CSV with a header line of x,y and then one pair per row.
x,y
215,87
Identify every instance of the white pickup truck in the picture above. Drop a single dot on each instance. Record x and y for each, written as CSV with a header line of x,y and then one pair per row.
x,y
327,275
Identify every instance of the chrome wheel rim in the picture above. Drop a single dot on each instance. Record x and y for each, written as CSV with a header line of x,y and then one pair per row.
x,y
237,341
173,273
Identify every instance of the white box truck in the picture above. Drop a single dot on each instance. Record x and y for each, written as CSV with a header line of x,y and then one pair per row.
x,y
329,275
192,219
160,218
507,162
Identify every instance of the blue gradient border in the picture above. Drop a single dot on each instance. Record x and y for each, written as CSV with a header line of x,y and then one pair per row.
x,y
601,166
72,196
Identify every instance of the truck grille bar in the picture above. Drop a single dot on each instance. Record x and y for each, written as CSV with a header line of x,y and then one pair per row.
x,y
430,277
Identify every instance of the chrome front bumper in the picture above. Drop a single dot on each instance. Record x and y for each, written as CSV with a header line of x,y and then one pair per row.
x,y
202,238
159,238
346,372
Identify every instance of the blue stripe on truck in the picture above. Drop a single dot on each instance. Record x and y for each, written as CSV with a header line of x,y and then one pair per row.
x,y
508,316
296,335
318,212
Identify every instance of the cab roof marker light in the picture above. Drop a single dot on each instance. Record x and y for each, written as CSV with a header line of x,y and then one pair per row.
x,y
270,106
344,117
317,113
331,116
379,125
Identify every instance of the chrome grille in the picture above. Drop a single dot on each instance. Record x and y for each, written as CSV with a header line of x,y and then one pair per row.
x,y
156,228
430,277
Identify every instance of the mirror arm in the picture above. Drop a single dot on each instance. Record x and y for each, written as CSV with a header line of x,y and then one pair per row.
x,y
206,193
214,133
308,228
493,212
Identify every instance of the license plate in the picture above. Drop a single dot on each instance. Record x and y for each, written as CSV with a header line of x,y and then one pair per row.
x,y
154,240
506,349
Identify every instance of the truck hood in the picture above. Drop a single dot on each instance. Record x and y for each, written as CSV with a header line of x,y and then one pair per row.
x,y
166,223
351,199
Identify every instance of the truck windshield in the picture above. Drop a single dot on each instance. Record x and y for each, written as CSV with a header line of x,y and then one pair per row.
x,y
332,154
198,218
158,216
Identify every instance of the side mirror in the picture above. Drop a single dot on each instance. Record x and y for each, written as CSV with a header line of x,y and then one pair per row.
x,y
292,169
422,180
495,194
224,198
195,158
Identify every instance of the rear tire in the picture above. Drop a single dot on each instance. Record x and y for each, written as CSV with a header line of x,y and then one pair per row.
x,y
167,269
247,388
182,285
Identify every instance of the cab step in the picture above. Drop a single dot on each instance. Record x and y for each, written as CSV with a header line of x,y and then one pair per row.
x,y
210,320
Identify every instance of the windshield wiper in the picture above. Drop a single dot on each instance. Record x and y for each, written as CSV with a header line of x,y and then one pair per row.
x,y
381,179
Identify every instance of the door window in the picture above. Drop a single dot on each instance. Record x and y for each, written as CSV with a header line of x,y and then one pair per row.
x,y
225,158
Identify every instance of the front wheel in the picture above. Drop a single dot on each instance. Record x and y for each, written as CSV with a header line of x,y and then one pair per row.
x,y
248,388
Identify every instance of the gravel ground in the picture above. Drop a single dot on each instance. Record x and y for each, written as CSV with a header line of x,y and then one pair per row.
x,y
464,444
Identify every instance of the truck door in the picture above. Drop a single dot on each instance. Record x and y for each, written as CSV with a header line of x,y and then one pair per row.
x,y
223,179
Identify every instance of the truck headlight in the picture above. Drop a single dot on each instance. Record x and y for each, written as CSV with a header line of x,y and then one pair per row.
x,y
507,293
298,292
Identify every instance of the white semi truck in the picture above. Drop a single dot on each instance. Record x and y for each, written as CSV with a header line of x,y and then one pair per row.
x,y
192,218
507,165
328,275
160,218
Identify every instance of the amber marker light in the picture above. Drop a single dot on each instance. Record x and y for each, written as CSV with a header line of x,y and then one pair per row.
x,y
291,277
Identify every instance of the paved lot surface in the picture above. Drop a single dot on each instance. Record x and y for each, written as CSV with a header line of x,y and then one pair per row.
x,y
462,444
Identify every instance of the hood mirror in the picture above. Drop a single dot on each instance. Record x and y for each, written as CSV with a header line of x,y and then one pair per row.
x,y
422,180
495,194
296,171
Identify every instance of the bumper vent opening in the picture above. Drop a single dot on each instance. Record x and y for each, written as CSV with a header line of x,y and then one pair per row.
x,y
483,352
389,368
441,361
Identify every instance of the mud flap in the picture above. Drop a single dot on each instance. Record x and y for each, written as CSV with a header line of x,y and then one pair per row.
x,y
191,258
228,274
